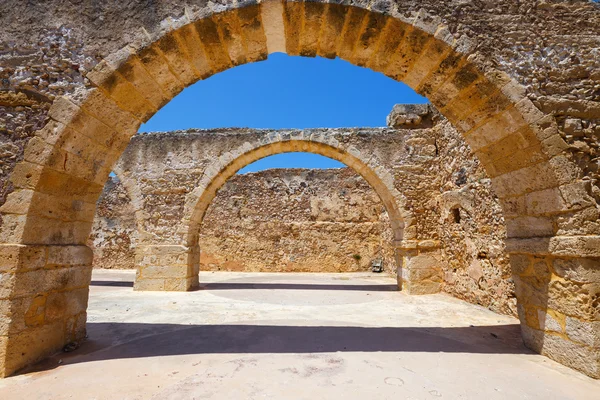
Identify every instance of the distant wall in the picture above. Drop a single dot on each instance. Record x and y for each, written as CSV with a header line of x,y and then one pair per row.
x,y
114,233
274,220
296,220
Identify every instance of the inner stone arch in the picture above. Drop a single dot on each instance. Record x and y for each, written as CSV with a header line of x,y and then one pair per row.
x,y
381,182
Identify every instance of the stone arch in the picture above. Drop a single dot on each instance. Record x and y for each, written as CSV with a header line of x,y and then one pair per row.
x,y
175,267
47,218
517,144
379,178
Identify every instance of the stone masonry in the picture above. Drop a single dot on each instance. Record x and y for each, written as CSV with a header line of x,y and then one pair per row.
x,y
518,80
172,193
114,235
291,221
282,220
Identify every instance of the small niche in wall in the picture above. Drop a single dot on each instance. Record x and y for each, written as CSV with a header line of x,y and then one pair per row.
x,y
456,215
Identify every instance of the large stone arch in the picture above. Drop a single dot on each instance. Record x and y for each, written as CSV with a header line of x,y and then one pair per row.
x,y
48,216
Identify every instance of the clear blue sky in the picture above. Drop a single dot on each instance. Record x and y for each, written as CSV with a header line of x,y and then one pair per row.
x,y
286,92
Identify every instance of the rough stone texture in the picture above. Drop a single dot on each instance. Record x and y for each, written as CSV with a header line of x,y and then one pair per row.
x,y
512,77
173,177
114,234
409,115
272,221
296,220
471,228
258,222
551,48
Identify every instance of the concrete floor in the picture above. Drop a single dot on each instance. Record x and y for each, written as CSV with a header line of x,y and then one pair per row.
x,y
294,336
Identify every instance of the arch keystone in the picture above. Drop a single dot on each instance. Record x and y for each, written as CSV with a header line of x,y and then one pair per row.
x,y
272,19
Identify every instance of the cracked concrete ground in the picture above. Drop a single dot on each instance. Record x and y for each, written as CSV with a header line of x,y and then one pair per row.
x,y
293,336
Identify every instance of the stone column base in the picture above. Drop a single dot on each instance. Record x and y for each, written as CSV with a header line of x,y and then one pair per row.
x,y
419,269
167,268
581,355
558,300
43,301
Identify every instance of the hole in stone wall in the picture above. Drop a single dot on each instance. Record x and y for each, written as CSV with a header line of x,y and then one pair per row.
x,y
456,215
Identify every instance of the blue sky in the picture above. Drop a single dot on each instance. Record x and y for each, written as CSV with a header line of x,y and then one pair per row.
x,y
286,92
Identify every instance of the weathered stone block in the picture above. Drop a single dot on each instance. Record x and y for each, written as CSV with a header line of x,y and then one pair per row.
x,y
580,357
421,288
64,305
107,111
14,257
176,55
550,321
164,271
154,62
522,227
30,346
252,28
149,284
61,256
584,332
231,37
582,270
121,91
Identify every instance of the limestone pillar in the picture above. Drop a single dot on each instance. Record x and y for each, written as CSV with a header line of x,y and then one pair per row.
x,y
419,266
557,283
167,267
43,301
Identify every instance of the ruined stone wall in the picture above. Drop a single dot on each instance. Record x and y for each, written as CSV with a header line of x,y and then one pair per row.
x,y
464,213
271,221
114,232
274,220
519,79
162,170
471,229
295,220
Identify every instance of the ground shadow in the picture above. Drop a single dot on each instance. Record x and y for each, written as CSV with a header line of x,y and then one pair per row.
x,y
108,341
296,286
112,283
268,286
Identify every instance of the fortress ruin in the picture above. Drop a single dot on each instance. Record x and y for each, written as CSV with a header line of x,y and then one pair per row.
x,y
518,81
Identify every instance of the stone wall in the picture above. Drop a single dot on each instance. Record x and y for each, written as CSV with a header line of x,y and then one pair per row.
x,y
290,220
471,229
274,220
550,47
296,220
114,232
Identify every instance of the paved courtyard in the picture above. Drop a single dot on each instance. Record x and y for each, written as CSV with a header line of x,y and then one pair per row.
x,y
293,336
